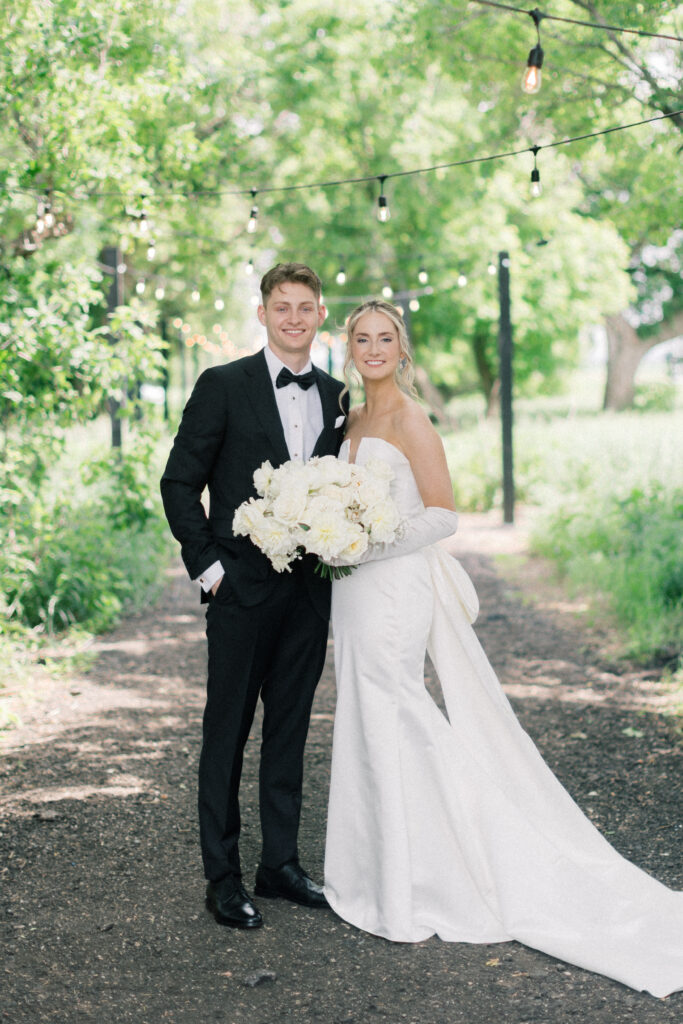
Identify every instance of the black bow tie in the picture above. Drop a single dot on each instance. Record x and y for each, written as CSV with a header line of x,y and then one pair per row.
x,y
285,377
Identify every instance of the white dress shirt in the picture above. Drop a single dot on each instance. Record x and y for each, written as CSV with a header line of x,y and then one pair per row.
x,y
301,414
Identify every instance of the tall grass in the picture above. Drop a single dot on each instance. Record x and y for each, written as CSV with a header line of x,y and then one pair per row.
x,y
609,489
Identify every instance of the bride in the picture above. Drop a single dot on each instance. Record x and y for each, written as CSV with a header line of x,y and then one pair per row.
x,y
456,826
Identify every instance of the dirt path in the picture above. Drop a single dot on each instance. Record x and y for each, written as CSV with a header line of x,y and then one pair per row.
x,y
102,915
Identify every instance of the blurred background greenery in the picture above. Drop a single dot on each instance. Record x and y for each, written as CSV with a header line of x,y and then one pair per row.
x,y
137,136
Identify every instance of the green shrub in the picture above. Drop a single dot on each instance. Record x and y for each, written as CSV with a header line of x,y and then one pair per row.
x,y
82,553
627,548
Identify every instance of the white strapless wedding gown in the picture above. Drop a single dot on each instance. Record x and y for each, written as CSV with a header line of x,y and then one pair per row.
x,y
458,827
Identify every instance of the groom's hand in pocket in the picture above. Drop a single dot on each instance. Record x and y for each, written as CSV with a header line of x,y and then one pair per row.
x,y
216,585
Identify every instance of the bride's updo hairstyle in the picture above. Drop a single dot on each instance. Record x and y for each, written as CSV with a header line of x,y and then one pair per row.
x,y
405,371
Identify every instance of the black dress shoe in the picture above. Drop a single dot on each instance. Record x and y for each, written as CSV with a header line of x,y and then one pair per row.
x,y
230,904
291,883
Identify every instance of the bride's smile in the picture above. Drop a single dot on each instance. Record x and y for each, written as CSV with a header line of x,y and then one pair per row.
x,y
375,346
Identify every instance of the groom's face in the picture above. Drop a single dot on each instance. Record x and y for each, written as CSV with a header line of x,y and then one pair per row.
x,y
291,316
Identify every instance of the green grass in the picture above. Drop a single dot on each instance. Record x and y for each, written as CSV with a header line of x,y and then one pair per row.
x,y
609,490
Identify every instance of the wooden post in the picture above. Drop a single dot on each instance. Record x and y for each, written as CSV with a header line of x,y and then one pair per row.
x,y
505,353
112,258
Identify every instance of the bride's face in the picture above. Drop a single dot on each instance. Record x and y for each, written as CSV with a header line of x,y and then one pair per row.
x,y
375,346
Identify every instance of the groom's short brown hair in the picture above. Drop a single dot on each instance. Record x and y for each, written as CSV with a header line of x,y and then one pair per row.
x,y
298,273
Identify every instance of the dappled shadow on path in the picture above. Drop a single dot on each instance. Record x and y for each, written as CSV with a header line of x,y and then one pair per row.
x,y
102,885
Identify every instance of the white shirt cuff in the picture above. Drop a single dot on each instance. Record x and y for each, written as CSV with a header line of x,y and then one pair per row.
x,y
211,576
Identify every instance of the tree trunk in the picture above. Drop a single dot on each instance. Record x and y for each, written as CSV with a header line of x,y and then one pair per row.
x,y
624,353
490,383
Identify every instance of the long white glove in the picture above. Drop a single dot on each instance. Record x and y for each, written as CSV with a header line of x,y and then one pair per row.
x,y
426,528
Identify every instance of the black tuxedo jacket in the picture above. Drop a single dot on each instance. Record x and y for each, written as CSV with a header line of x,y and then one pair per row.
x,y
231,425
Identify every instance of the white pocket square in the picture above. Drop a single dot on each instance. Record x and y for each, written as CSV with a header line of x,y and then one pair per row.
x,y
339,422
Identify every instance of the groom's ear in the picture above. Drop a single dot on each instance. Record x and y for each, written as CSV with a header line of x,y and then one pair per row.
x,y
261,314
322,314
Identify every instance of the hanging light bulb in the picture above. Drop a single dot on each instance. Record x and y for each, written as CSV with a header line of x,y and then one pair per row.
x,y
195,295
253,216
491,269
249,268
383,211
219,305
140,286
151,250
536,187
143,224
159,292
462,280
414,305
48,216
341,276
531,80
387,291
422,275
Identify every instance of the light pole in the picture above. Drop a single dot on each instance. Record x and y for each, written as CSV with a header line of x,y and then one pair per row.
x,y
505,354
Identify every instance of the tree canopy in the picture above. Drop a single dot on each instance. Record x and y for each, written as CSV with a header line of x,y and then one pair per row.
x,y
138,121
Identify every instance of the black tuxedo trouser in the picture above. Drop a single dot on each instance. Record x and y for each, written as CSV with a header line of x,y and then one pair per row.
x,y
275,649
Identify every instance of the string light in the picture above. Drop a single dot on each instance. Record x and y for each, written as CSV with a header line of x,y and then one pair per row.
x,y
253,216
151,250
219,305
196,294
143,224
422,275
159,292
140,286
531,80
491,269
462,280
414,305
387,291
341,276
383,211
536,187
249,268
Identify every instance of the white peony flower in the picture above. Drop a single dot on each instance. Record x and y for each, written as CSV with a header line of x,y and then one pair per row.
x,y
378,469
331,470
329,534
290,504
382,521
249,516
263,478
357,546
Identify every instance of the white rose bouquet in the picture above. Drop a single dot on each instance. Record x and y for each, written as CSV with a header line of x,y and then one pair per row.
x,y
323,507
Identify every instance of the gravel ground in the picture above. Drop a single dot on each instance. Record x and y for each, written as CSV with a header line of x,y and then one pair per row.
x,y
102,916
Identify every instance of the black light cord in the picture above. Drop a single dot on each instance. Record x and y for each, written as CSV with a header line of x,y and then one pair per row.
x,y
361,180
575,21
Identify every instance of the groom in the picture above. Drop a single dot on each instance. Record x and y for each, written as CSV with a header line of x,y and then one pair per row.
x,y
266,631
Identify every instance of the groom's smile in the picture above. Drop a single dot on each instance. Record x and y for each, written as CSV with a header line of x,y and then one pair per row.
x,y
291,316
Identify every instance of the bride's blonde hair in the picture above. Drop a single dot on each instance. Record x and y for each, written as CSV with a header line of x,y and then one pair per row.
x,y
405,371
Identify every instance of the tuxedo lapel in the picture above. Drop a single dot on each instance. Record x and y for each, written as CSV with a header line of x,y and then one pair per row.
x,y
327,442
262,397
